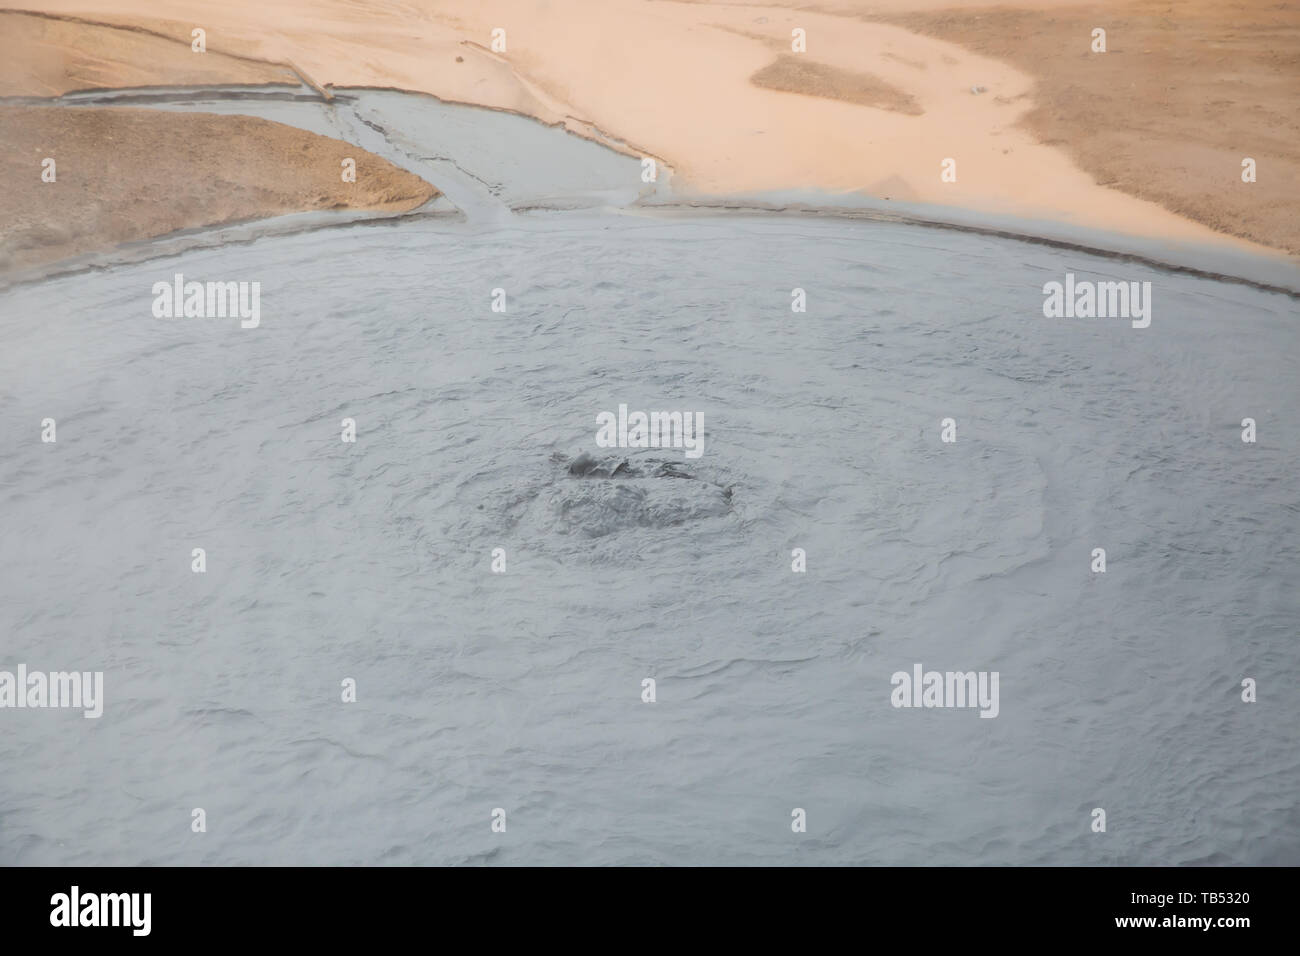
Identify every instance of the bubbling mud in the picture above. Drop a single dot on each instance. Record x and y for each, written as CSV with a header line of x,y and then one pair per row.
x,y
618,493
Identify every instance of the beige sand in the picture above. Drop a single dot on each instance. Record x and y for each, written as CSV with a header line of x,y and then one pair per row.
x,y
798,74
47,56
677,80
1185,92
126,174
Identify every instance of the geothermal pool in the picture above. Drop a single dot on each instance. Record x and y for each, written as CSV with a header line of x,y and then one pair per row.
x,y
373,561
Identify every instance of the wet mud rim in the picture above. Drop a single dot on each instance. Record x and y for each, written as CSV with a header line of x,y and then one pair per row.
x,y
671,205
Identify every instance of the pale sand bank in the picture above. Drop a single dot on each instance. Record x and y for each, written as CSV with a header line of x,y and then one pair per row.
x,y
129,174
126,175
50,56
709,89
1185,92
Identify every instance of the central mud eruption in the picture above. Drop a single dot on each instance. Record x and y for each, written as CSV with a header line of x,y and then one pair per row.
x,y
633,494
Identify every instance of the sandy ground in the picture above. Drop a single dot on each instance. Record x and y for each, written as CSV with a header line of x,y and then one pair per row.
x,y
797,74
45,56
1184,93
124,175
127,174
1117,141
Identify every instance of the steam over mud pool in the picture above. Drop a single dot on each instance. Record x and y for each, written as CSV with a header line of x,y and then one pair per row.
x,y
475,443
